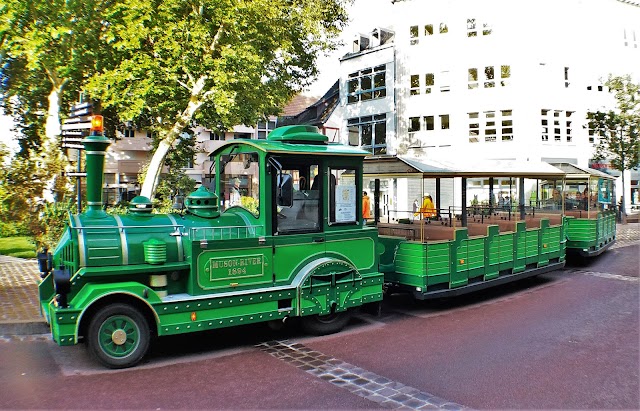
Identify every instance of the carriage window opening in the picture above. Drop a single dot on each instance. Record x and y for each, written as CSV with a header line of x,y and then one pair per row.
x,y
239,183
343,197
304,213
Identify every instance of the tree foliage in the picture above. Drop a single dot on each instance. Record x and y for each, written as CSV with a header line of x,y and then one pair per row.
x,y
49,49
617,129
216,64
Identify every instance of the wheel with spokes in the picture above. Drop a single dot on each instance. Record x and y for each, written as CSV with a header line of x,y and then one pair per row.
x,y
118,336
325,324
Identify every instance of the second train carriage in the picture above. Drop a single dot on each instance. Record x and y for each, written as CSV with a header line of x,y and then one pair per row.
x,y
280,234
456,250
589,204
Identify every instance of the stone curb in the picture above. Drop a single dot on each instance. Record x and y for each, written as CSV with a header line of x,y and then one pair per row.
x,y
23,328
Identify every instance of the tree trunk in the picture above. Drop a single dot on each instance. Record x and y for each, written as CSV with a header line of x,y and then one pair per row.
x,y
52,124
155,166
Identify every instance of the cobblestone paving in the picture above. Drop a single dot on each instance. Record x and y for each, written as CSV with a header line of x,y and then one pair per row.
x,y
19,279
627,234
366,384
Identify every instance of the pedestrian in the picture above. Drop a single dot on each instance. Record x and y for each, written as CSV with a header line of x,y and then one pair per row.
x,y
366,206
234,197
427,210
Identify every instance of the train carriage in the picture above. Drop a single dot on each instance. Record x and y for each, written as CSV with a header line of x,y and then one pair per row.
x,y
590,209
459,249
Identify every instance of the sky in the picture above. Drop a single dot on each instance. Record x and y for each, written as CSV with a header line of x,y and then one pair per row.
x,y
364,16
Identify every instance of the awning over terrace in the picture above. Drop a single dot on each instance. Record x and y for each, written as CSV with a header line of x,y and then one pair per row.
x,y
390,166
572,171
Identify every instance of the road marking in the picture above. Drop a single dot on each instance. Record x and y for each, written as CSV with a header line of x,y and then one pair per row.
x,y
610,276
365,384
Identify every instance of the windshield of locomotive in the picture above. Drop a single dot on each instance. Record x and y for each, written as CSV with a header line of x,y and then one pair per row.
x,y
239,183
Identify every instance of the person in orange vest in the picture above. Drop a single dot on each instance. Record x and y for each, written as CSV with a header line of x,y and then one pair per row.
x,y
427,210
366,206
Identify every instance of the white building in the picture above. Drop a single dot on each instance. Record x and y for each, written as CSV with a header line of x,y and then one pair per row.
x,y
496,79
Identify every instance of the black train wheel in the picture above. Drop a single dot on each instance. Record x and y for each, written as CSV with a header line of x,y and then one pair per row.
x,y
325,324
118,336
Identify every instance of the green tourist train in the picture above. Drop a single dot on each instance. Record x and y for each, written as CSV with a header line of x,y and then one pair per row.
x,y
280,234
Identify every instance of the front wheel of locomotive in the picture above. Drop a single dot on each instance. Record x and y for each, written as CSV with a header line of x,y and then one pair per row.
x,y
118,336
325,324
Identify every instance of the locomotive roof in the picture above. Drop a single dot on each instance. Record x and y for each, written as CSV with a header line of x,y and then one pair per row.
x,y
329,149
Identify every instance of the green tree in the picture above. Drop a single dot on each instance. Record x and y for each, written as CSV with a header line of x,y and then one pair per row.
x,y
617,129
217,63
48,47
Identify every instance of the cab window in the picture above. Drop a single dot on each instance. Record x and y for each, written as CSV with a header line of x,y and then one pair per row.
x,y
343,196
304,213
239,183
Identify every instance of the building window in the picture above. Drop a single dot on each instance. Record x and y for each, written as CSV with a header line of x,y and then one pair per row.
x,y
413,35
369,133
505,73
473,78
428,123
430,81
445,81
414,124
216,136
414,127
566,77
428,29
630,39
474,127
415,84
444,28
489,76
367,84
264,128
444,121
486,29
507,125
129,133
471,28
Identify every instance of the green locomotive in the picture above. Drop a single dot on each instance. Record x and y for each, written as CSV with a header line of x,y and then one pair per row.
x,y
281,235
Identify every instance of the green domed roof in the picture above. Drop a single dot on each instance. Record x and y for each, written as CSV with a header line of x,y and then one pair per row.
x,y
202,203
140,205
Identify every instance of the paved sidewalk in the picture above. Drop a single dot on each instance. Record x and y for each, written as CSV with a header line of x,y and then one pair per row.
x,y
19,278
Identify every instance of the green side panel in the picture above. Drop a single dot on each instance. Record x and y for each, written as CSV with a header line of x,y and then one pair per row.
x,y
520,247
581,232
438,262
292,252
475,257
492,253
389,246
46,291
532,245
225,311
355,247
320,292
459,259
506,249
410,264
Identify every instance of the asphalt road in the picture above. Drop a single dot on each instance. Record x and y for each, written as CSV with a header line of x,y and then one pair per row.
x,y
564,340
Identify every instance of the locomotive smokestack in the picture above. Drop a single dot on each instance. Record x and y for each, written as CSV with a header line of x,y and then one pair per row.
x,y
95,146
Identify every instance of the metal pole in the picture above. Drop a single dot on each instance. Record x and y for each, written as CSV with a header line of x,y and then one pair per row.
x,y
79,182
464,202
